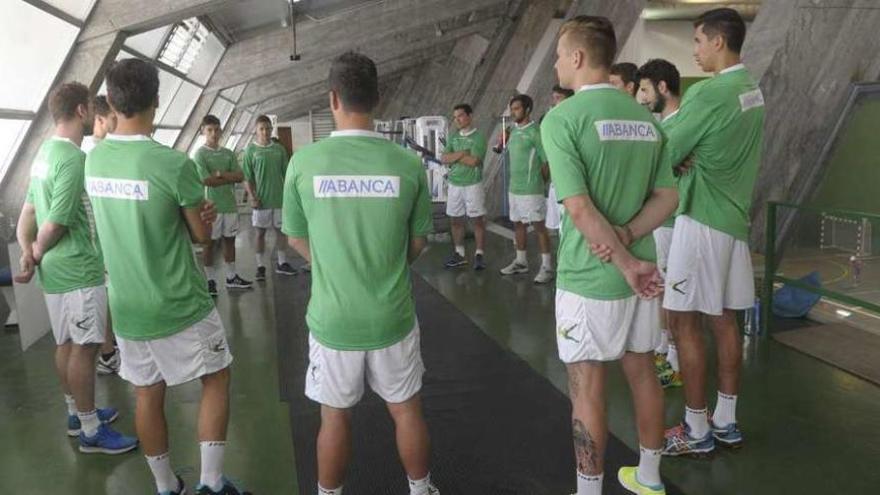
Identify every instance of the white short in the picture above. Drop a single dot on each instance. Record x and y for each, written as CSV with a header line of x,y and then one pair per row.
x,y
708,271
78,316
336,378
554,209
527,208
266,219
466,200
226,225
597,330
662,240
192,353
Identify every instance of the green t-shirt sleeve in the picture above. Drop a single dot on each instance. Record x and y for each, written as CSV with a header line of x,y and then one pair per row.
x,y
568,172
201,165
448,148
539,147
190,192
236,167
693,122
479,149
293,222
247,167
663,177
421,222
67,191
29,199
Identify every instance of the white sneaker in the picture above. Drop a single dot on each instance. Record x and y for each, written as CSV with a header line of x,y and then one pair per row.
x,y
514,268
108,366
545,274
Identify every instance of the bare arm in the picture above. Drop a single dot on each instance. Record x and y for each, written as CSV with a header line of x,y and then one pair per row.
x,y
233,177
448,158
252,193
198,230
471,161
660,206
301,246
26,232
416,247
47,236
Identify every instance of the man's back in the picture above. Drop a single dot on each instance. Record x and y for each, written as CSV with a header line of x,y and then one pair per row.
x,y
359,199
138,187
601,143
56,191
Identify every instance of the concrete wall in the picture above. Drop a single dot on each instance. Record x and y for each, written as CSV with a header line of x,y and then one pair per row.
x,y
670,40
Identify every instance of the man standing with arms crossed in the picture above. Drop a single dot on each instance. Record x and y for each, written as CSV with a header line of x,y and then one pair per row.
x,y
357,206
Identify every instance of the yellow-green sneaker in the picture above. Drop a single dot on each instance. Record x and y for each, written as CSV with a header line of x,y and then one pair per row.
x,y
628,479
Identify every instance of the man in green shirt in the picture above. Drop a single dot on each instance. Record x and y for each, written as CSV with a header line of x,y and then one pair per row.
x,y
57,242
220,172
358,207
605,153
659,87
464,154
264,165
553,220
526,190
623,77
150,207
719,131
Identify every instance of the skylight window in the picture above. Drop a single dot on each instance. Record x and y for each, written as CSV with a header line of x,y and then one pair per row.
x,y
184,44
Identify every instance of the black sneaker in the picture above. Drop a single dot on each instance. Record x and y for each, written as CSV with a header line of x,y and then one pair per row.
x,y
479,263
261,273
228,489
237,282
181,488
212,288
455,261
285,269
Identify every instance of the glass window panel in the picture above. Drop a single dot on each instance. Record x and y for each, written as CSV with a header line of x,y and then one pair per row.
x,y
182,105
11,134
168,86
200,140
222,109
233,93
77,8
148,43
166,136
207,60
232,141
184,45
29,69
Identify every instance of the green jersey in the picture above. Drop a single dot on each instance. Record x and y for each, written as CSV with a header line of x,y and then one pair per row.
x,y
667,124
138,187
721,125
359,199
56,191
265,167
526,156
603,144
474,142
210,162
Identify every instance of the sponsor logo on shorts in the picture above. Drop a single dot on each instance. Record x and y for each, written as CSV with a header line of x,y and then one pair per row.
x,y
626,130
133,190
565,333
356,186
677,286
83,324
219,345
752,99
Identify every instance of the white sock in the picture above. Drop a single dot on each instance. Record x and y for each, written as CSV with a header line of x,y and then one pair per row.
x,y
546,261
589,484
230,270
209,272
672,356
698,421
725,410
460,250
663,348
326,491
160,465
479,252
420,487
649,466
212,464
282,257
260,261
71,404
521,257
90,422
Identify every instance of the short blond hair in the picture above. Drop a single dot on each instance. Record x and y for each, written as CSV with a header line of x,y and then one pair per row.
x,y
594,34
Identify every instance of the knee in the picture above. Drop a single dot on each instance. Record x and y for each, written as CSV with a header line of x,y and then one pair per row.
x,y
217,379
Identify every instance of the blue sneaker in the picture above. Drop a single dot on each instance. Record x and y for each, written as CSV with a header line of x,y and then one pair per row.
x,y
228,489
106,415
106,441
679,442
181,488
728,436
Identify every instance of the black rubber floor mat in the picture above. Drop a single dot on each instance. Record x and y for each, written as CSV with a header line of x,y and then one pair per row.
x,y
497,427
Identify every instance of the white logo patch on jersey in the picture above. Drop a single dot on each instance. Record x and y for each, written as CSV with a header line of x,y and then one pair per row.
x,y
40,169
133,190
356,186
626,130
752,99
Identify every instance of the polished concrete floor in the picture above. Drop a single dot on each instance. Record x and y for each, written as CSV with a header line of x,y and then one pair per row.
x,y
810,428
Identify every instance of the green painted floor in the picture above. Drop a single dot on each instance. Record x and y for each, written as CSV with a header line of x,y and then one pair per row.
x,y
810,428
